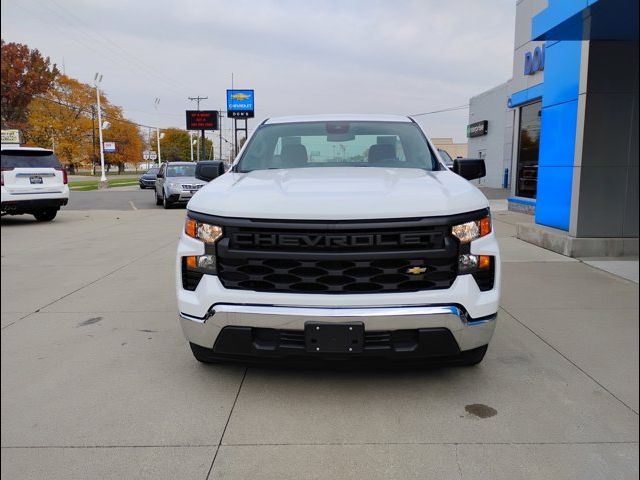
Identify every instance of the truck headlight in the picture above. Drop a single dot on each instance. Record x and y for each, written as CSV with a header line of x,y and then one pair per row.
x,y
206,232
468,263
469,231
201,263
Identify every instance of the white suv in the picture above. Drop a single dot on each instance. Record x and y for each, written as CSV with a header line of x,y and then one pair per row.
x,y
33,182
339,238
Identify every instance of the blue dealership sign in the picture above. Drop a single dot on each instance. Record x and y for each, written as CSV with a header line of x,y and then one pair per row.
x,y
534,61
240,103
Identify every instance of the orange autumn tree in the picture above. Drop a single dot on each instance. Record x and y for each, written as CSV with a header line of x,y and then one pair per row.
x,y
126,136
62,119
65,118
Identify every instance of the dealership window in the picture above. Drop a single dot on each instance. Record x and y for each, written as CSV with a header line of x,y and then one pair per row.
x,y
528,148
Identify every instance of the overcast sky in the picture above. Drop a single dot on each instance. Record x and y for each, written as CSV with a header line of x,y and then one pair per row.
x,y
365,56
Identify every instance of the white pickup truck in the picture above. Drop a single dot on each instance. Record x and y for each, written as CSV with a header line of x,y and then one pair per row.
x,y
339,238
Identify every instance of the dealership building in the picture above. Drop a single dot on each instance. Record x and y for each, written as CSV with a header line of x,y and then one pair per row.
x,y
562,133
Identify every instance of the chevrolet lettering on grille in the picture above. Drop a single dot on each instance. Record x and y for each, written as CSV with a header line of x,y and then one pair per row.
x,y
332,240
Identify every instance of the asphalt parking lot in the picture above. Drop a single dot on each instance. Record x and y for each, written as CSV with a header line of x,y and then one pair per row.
x,y
98,382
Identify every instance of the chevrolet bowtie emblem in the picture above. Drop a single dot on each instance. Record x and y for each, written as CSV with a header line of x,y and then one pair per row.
x,y
416,270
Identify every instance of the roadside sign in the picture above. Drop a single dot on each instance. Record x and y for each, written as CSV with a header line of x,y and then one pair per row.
x,y
109,147
240,103
145,155
153,155
202,120
11,136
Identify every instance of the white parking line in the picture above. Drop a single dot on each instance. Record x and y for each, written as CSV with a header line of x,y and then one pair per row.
x,y
132,205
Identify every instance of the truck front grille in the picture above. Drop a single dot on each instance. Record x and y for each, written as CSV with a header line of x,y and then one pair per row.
x,y
336,276
337,258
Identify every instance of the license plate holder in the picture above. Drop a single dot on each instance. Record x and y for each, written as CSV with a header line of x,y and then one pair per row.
x,y
35,180
323,337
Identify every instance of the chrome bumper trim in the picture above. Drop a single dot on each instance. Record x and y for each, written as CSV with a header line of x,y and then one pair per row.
x,y
469,333
336,312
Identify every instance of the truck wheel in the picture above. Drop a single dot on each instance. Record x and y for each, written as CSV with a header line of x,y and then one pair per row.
x,y
158,199
202,354
472,357
46,215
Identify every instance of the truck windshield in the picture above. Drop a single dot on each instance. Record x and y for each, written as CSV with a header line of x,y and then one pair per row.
x,y
337,144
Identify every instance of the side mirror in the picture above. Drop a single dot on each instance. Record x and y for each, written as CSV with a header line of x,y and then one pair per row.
x,y
470,168
207,170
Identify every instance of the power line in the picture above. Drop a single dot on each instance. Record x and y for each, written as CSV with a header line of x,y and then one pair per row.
x,y
82,109
136,60
86,39
450,109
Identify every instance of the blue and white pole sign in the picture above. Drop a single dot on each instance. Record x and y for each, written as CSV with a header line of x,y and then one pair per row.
x,y
240,103
534,61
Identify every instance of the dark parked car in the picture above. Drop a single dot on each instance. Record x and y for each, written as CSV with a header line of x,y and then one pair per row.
x,y
148,180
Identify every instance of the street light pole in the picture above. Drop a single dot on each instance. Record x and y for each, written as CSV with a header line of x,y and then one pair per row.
x,y
103,178
157,101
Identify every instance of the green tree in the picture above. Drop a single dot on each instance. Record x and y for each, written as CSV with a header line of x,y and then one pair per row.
x,y
174,145
24,74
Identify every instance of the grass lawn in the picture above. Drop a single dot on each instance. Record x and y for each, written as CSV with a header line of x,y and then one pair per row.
x,y
85,185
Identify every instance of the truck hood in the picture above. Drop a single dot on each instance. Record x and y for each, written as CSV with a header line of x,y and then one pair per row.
x,y
341,193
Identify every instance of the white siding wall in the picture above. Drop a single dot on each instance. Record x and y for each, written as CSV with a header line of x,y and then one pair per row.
x,y
495,146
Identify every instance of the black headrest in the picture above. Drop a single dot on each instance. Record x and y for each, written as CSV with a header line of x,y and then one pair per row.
x,y
293,155
381,153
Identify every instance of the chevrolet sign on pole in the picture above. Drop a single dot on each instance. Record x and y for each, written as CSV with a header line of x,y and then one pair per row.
x,y
240,103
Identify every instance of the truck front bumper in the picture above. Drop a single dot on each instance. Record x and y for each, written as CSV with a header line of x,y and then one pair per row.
x,y
398,332
259,322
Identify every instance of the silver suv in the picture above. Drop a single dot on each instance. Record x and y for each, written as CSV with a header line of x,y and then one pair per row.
x,y
176,183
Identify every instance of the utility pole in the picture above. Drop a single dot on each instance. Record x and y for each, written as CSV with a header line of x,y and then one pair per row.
x,y
197,100
235,135
220,132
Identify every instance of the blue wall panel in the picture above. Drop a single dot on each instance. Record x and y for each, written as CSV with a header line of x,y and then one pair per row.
x,y
525,96
558,133
562,72
553,205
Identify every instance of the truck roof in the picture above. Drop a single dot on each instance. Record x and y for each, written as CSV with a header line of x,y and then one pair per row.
x,y
359,117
